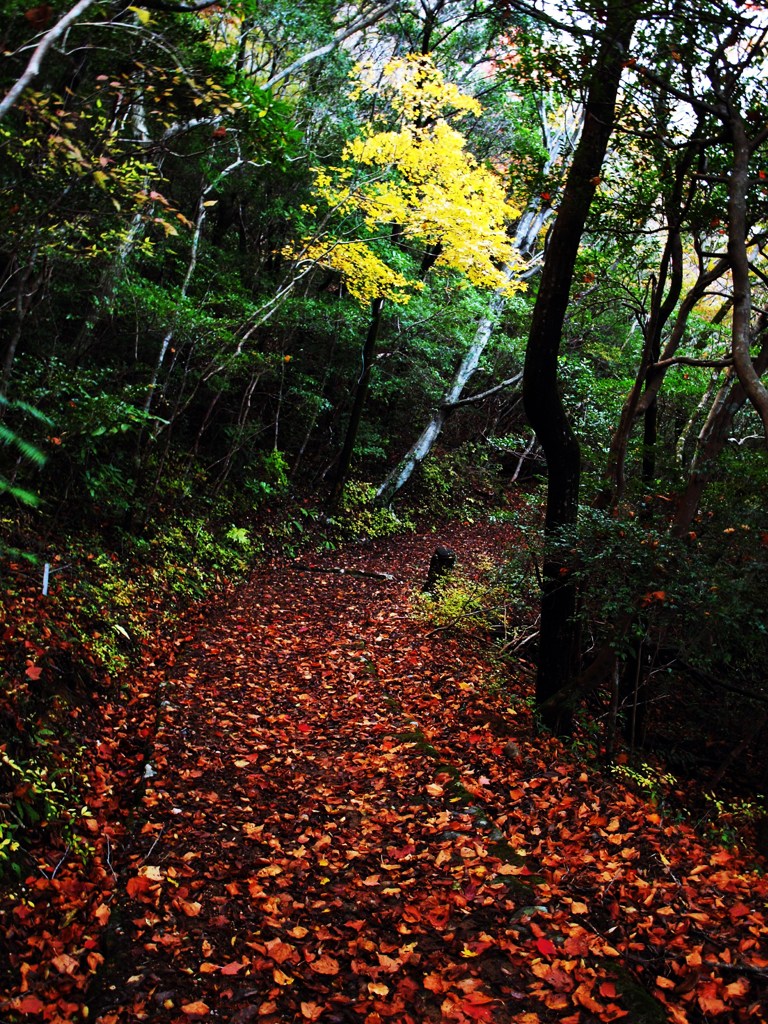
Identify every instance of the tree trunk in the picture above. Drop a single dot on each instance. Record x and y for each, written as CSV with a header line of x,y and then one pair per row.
x,y
648,384
729,400
361,392
740,268
661,310
543,406
402,472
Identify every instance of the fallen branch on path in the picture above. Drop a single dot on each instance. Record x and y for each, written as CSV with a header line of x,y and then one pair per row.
x,y
361,573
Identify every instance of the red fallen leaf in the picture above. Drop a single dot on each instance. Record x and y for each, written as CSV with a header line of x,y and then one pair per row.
x,y
738,910
556,977
303,727
545,946
29,1004
232,968
34,672
137,886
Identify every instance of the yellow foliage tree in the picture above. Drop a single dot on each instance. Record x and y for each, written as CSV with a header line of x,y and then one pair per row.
x,y
420,177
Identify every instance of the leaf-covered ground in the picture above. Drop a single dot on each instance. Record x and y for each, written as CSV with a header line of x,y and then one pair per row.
x,y
312,808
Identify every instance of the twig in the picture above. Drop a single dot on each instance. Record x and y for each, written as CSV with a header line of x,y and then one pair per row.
x,y
758,972
63,858
149,851
33,67
109,858
362,574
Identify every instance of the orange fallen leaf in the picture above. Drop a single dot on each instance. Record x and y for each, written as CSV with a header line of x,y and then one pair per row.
x,y
325,965
65,964
28,1004
190,909
102,913
196,1009
311,1011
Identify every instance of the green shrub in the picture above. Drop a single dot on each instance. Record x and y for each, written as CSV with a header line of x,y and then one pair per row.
x,y
359,518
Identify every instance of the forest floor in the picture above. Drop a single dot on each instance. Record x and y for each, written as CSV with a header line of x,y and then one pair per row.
x,y
312,806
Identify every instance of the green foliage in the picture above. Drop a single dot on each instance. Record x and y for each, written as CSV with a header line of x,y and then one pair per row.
x,y
499,601
728,818
695,595
456,484
273,479
654,784
39,792
25,450
359,518
459,602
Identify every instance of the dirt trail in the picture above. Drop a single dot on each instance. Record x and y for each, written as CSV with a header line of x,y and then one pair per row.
x,y
303,851
344,819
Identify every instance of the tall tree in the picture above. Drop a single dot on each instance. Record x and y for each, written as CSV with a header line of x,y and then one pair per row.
x,y
422,179
543,404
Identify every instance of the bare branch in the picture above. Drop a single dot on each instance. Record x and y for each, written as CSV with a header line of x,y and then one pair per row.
x,y
32,69
483,394
691,361
341,35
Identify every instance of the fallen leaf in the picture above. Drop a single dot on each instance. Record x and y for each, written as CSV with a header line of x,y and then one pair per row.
x,y
325,965
196,1009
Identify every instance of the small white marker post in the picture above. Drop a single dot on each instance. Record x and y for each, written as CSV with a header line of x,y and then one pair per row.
x,y
46,574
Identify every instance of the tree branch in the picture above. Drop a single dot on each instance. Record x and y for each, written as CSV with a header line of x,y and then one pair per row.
x,y
483,394
341,35
32,69
662,364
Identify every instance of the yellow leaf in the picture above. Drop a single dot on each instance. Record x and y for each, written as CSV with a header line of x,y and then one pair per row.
x,y
144,16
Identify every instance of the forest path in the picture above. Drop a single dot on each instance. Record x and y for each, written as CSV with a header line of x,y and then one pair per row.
x,y
347,818
315,841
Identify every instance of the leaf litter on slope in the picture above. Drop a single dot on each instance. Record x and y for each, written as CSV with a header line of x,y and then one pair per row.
x,y
336,831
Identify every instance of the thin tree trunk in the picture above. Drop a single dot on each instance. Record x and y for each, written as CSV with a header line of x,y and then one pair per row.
x,y
740,269
648,384
728,402
543,405
402,472
27,287
661,310
361,392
